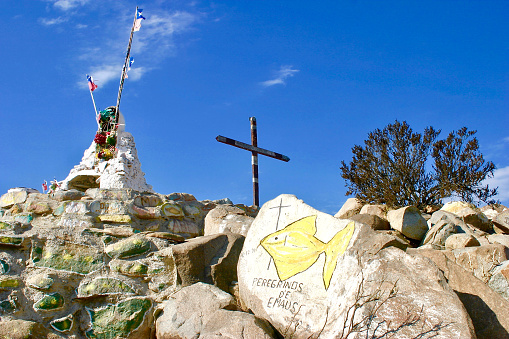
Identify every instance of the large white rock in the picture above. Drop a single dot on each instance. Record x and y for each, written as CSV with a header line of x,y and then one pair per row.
x,y
351,207
305,271
122,171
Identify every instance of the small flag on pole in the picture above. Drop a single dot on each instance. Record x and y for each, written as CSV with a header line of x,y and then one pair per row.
x,y
44,186
137,22
131,60
91,84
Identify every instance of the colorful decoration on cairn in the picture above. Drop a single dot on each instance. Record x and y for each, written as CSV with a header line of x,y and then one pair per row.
x,y
106,136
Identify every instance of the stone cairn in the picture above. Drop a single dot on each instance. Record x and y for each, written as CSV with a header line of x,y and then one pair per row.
x,y
119,263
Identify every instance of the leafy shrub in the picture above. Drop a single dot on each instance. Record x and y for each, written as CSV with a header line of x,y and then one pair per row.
x,y
393,168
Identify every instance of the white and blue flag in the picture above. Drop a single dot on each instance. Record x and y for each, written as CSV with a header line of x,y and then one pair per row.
x,y
139,17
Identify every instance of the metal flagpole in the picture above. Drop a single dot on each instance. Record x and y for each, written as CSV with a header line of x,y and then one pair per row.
x,y
95,108
124,68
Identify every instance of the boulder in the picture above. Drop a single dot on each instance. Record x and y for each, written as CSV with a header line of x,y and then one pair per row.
x,y
488,310
480,260
499,238
378,210
438,234
13,197
71,194
211,259
499,280
351,207
408,220
373,221
501,222
469,214
226,218
460,240
232,324
184,315
309,274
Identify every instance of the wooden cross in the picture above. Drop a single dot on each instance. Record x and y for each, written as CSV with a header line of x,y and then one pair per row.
x,y
255,150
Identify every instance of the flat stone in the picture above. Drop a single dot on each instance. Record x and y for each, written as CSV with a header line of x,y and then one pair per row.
x,y
76,221
7,240
9,282
129,247
6,226
172,210
181,197
166,236
38,207
115,218
49,302
130,268
72,194
69,257
185,228
24,329
378,210
11,198
24,218
40,281
121,319
107,207
76,207
122,194
101,286
499,238
146,212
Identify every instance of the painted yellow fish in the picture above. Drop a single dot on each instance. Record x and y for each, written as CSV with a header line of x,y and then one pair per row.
x,y
295,248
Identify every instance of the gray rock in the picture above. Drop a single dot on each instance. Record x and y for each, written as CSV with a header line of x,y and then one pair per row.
x,y
488,310
378,210
232,324
72,194
226,218
351,207
373,221
501,222
408,220
438,234
460,240
499,280
184,315
499,238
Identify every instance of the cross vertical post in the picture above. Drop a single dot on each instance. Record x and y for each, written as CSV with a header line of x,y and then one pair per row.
x,y
254,162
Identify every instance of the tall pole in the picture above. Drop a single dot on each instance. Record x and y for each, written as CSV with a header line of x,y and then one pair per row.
x,y
254,162
124,69
95,108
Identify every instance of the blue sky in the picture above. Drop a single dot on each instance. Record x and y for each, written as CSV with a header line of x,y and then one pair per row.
x,y
317,75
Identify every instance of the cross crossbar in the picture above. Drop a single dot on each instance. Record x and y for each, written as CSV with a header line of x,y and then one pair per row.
x,y
248,147
255,150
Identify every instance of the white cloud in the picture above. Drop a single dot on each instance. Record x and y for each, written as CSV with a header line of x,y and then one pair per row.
x,y
54,21
500,179
280,79
66,5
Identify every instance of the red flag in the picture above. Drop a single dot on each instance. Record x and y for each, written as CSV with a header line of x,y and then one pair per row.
x,y
91,84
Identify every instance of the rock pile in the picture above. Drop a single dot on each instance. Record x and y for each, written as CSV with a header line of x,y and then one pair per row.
x,y
117,263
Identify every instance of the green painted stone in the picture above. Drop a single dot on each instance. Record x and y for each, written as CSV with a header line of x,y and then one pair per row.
x,y
8,282
5,226
63,324
103,286
4,267
130,268
69,257
172,210
49,302
24,219
59,210
119,320
40,281
127,248
11,240
37,207
2,212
